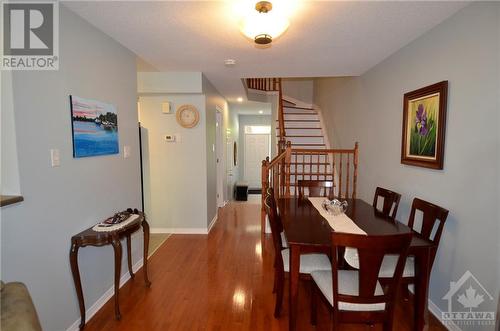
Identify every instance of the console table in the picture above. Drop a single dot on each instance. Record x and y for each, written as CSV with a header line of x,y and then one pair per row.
x,y
90,237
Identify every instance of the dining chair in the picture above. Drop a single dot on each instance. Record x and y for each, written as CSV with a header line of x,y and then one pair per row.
x,y
356,296
391,201
284,242
308,262
433,219
316,188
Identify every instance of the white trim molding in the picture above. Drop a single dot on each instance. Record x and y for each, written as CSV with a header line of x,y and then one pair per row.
x,y
89,313
210,226
434,310
180,230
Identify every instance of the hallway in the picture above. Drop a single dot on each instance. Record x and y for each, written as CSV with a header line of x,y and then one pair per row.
x,y
222,281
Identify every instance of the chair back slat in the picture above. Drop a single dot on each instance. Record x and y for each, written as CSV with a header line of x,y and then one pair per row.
x,y
316,188
371,252
431,214
391,201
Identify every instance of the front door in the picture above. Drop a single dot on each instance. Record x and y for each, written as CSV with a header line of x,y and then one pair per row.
x,y
256,150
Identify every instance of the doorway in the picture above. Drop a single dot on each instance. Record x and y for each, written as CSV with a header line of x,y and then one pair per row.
x,y
257,148
219,155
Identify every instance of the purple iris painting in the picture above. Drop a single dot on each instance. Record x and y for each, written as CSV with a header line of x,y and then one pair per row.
x,y
423,136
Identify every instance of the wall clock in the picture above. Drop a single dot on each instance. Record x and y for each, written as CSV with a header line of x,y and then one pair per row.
x,y
187,116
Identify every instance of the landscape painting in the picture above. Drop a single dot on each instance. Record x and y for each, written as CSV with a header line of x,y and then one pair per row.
x,y
95,127
423,126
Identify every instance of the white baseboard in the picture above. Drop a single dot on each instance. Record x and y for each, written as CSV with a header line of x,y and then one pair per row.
x,y
89,313
214,220
180,230
434,310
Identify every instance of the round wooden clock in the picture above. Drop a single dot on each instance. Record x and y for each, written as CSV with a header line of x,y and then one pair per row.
x,y
187,116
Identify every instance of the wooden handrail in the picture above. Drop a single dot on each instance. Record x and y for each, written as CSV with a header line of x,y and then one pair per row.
x,y
337,165
271,85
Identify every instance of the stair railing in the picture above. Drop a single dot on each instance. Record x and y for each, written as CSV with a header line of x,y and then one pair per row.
x,y
271,85
337,165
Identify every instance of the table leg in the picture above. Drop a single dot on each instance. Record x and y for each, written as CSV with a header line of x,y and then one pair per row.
x,y
294,285
422,272
73,259
129,255
117,246
145,228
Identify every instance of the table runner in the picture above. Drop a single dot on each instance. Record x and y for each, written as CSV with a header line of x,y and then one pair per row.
x,y
340,223
114,227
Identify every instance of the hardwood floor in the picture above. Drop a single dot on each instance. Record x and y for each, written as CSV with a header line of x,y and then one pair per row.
x,y
218,282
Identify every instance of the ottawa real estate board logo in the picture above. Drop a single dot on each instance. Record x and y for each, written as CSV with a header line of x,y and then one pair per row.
x,y
30,33
467,303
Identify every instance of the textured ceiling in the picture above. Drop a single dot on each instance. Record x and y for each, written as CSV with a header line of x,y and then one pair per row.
x,y
325,38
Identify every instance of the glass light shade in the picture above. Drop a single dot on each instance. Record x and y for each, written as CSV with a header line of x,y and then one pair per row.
x,y
264,24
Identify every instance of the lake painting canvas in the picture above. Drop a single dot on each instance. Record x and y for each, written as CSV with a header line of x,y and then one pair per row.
x,y
95,127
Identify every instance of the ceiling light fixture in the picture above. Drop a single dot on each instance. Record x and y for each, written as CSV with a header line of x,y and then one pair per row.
x,y
266,20
261,112
240,99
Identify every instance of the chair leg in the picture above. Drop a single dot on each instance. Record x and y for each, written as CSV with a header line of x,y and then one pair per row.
x,y
314,304
280,284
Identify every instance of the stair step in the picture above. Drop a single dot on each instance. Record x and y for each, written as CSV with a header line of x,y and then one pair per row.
x,y
301,114
299,120
295,107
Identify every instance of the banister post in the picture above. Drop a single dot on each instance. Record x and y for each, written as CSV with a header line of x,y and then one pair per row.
x,y
265,179
355,176
288,160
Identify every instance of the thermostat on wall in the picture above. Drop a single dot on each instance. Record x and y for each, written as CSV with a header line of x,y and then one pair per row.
x,y
170,138
165,107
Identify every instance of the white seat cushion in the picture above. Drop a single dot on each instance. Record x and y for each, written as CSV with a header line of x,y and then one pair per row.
x,y
284,242
388,264
348,285
308,262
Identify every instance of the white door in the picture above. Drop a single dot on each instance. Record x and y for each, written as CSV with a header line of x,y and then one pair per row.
x,y
256,150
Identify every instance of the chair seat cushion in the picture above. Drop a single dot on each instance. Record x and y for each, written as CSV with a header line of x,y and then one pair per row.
x,y
284,242
388,264
308,262
348,285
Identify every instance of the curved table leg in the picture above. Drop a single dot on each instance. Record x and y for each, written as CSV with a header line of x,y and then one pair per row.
x,y
129,256
145,228
73,259
117,246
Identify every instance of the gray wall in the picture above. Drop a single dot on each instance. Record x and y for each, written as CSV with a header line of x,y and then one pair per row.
x,y
175,174
249,120
465,51
60,202
214,101
299,88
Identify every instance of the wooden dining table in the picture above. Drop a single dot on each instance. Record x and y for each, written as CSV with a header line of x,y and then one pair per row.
x,y
309,232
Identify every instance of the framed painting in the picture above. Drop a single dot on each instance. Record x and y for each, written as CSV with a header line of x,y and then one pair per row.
x,y
424,123
94,127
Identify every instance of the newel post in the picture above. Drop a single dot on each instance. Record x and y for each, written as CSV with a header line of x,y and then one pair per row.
x,y
288,160
355,177
265,179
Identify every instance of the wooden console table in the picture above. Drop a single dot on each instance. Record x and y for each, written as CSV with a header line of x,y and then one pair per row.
x,y
90,237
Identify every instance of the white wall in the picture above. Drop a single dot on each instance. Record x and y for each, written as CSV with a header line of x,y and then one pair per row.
x,y
175,174
465,51
299,88
174,82
60,202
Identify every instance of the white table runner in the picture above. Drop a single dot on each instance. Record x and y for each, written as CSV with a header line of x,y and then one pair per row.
x,y
114,227
340,223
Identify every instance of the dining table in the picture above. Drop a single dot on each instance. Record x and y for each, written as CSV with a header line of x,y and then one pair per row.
x,y
307,231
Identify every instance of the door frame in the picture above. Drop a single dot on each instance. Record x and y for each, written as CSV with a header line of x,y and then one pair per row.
x,y
219,157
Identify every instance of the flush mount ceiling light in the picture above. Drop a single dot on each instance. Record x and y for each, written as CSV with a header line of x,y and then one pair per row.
x,y
264,21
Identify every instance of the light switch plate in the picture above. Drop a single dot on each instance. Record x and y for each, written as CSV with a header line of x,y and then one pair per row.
x,y
126,152
165,107
170,138
55,160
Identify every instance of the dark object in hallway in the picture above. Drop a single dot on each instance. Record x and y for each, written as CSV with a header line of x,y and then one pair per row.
x,y
241,191
90,237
